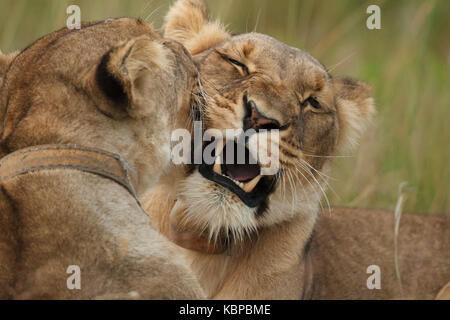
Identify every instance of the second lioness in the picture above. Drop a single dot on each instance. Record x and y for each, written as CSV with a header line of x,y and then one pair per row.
x,y
116,86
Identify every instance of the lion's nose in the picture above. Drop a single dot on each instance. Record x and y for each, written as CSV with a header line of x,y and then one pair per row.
x,y
254,119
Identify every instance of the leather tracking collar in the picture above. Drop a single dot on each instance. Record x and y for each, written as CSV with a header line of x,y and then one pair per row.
x,y
61,156
104,164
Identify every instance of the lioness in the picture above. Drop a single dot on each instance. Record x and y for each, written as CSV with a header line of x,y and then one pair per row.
x,y
116,86
250,236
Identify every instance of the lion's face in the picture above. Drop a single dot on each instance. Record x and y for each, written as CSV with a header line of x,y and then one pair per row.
x,y
253,81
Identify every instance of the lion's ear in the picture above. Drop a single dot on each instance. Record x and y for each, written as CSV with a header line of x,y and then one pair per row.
x,y
188,22
133,78
355,108
5,60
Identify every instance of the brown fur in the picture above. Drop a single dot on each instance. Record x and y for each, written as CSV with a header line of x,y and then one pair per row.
x,y
347,241
113,85
273,262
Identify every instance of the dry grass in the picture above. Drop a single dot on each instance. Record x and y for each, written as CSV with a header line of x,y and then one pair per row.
x,y
407,63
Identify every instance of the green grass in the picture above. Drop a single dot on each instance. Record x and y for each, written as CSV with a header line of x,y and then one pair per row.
x,y
406,62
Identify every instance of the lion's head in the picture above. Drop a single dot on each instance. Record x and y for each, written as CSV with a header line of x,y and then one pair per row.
x,y
253,81
114,85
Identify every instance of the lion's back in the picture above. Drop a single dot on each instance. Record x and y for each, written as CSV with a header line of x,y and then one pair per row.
x,y
347,241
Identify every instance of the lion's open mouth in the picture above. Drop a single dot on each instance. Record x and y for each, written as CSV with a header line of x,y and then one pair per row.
x,y
241,175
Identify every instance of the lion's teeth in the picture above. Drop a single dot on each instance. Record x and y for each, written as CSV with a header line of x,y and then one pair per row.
x,y
249,186
238,183
217,166
219,148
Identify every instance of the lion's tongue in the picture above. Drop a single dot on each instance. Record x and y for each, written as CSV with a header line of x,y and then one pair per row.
x,y
242,172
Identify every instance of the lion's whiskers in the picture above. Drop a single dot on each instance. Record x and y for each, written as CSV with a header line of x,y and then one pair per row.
x,y
144,9
293,190
323,176
326,156
152,13
317,182
333,67
312,185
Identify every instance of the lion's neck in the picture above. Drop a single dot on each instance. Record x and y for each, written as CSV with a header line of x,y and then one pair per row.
x,y
273,259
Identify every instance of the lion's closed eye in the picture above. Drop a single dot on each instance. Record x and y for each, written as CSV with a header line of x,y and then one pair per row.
x,y
243,69
240,65
312,102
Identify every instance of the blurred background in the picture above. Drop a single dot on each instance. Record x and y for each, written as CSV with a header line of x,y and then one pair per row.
x,y
406,62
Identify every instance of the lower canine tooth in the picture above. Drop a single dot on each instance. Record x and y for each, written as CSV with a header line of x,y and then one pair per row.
x,y
217,166
219,147
249,186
